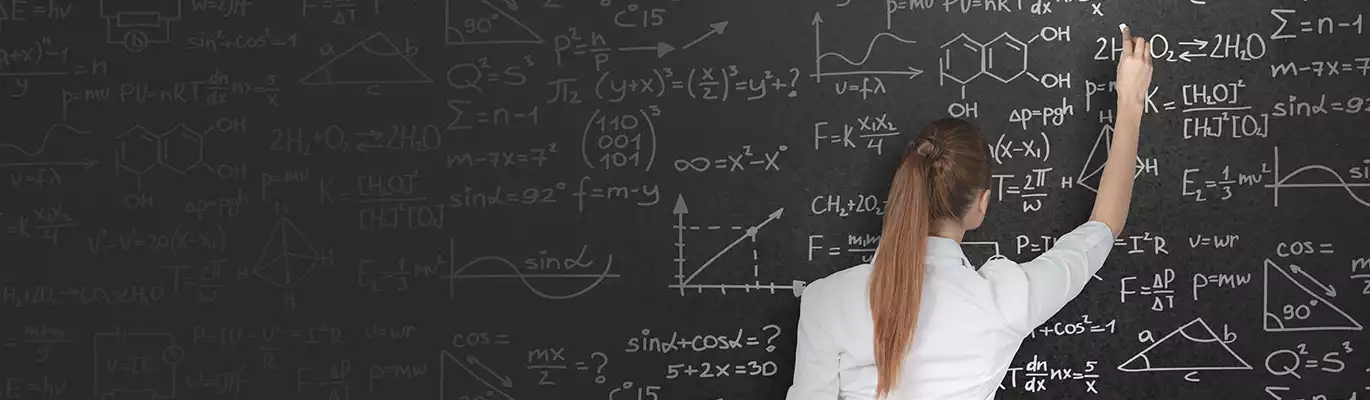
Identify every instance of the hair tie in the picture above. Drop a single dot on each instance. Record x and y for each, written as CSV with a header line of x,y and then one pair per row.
x,y
931,152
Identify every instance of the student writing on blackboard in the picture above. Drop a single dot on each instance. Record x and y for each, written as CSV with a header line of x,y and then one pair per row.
x,y
919,321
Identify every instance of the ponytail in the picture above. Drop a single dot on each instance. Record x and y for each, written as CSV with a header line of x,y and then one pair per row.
x,y
896,285
942,173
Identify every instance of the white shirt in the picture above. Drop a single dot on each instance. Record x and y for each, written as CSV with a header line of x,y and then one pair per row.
x,y
970,323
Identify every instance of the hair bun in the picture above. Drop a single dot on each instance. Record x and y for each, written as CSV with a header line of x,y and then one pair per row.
x,y
931,151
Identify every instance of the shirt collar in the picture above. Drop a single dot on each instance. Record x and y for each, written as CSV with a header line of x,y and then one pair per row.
x,y
939,248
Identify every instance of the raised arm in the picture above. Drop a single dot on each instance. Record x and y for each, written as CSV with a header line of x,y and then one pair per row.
x,y
1115,185
1029,294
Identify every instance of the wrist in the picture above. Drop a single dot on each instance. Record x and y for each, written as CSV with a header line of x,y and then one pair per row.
x,y
1130,107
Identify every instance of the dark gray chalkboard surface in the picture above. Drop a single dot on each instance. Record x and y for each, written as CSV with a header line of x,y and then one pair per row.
x,y
622,199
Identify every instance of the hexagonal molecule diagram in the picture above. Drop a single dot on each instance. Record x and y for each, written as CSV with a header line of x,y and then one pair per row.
x,y
288,256
182,149
139,150
963,59
1011,60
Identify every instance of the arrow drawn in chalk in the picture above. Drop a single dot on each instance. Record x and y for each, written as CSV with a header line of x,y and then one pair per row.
x,y
661,49
714,29
503,380
87,163
1326,289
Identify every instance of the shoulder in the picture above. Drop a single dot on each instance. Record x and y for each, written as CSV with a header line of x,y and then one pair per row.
x,y
843,284
847,280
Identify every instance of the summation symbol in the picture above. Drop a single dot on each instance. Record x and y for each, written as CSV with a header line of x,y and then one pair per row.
x,y
1098,158
288,256
375,60
135,25
744,234
472,22
1293,307
1192,347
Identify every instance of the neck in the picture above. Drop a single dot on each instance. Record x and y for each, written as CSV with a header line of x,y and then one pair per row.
x,y
948,229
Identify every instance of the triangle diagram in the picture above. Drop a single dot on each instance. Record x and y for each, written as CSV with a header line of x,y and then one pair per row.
x,y
372,61
1291,306
1097,159
458,379
287,257
1192,347
4,15
472,22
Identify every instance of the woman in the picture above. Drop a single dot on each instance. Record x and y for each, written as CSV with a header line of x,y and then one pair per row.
x,y
919,322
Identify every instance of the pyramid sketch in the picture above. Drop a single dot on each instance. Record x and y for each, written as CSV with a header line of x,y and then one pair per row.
x,y
1093,170
372,61
287,257
1282,289
1191,347
471,22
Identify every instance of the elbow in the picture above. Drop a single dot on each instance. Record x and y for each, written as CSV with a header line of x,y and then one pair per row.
x,y
1115,224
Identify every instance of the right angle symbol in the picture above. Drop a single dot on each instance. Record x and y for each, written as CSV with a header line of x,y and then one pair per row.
x,y
1291,306
473,22
288,256
1192,347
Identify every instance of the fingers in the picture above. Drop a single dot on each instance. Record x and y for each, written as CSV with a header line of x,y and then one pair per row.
x,y
1127,39
1146,55
1141,48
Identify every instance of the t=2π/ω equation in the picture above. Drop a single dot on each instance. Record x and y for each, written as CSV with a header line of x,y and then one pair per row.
x,y
739,234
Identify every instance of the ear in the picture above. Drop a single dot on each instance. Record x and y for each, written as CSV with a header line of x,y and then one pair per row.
x,y
983,203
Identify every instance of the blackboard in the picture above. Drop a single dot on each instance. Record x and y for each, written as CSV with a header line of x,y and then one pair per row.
x,y
536,199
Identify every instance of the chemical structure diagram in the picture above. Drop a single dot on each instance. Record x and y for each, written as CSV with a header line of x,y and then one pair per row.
x,y
139,151
963,59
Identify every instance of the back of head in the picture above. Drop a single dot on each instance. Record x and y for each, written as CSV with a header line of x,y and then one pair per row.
x,y
943,171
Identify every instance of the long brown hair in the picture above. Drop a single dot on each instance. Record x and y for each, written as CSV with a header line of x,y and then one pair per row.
x,y
942,172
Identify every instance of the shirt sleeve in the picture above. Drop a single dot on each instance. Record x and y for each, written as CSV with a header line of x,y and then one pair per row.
x,y
1030,293
815,361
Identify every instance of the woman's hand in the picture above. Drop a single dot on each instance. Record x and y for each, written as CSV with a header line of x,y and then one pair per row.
x,y
1134,72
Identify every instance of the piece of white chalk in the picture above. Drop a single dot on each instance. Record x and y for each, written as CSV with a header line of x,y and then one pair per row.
x,y
1122,27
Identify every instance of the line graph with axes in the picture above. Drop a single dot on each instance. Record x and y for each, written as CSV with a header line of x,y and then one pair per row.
x,y
690,273
858,67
